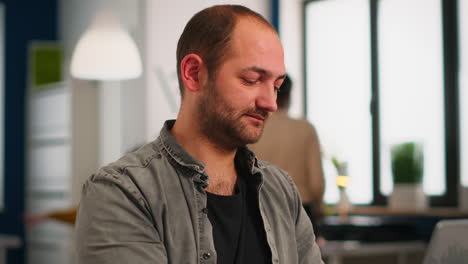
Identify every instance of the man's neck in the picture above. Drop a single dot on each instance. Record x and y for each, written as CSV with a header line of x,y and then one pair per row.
x,y
219,162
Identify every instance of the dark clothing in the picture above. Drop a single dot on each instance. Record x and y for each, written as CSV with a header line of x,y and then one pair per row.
x,y
315,216
226,214
238,231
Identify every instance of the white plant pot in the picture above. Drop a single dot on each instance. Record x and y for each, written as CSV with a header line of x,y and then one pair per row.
x,y
408,197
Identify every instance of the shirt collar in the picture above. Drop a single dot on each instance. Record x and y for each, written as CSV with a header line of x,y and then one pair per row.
x,y
177,153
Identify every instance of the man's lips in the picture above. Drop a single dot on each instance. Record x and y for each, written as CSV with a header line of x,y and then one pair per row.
x,y
257,116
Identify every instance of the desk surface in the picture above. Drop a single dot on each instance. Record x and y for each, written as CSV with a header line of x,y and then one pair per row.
x,y
355,248
385,211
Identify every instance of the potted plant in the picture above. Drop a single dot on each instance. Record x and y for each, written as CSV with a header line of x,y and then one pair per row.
x,y
342,181
407,161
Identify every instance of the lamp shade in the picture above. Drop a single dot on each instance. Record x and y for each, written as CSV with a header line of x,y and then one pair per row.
x,y
106,51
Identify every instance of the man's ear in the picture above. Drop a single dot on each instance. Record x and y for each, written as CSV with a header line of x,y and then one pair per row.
x,y
191,67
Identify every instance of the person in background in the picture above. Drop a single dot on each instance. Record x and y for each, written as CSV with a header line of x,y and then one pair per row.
x,y
293,145
197,194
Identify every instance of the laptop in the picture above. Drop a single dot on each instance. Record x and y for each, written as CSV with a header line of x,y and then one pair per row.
x,y
449,243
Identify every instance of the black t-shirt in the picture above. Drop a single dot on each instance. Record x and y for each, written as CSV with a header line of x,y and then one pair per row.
x,y
238,231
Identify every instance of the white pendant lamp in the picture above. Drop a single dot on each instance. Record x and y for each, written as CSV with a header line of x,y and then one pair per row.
x,y
106,51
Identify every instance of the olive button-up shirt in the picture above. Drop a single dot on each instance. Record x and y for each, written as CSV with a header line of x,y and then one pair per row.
x,y
149,207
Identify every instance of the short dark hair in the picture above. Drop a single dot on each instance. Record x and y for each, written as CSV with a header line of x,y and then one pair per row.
x,y
282,99
208,34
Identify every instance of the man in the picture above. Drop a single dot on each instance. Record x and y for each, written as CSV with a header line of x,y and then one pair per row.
x,y
197,194
293,146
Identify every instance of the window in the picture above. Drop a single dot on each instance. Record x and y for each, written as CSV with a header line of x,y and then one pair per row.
x,y
411,90
338,90
382,72
463,86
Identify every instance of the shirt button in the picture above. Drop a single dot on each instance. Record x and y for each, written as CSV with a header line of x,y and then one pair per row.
x,y
206,255
205,210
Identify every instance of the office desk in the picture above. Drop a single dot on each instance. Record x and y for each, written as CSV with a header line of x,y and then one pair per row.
x,y
381,224
400,235
6,242
430,212
335,251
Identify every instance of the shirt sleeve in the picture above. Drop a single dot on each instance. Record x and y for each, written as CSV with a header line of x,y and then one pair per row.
x,y
114,226
307,248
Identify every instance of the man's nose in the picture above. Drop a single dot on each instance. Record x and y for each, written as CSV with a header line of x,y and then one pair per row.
x,y
266,99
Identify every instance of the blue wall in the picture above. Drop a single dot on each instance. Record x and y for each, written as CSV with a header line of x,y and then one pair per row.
x,y
275,16
25,21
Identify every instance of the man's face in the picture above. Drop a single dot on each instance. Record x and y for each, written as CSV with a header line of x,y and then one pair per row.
x,y
236,103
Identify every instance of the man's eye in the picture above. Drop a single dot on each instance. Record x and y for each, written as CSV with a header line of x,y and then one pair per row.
x,y
277,89
250,82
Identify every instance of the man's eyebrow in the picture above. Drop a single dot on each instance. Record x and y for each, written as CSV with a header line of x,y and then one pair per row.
x,y
282,77
262,71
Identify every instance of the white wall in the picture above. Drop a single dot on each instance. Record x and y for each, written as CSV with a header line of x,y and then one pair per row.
x,y
165,22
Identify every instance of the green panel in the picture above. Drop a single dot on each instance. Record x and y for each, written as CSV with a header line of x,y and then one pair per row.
x,y
45,65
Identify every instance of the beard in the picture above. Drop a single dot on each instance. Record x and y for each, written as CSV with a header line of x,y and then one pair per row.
x,y
221,123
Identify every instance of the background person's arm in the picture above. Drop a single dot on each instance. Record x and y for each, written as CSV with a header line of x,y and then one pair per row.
x,y
114,225
314,169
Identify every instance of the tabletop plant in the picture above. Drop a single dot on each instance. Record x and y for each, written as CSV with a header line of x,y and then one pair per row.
x,y
407,163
